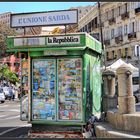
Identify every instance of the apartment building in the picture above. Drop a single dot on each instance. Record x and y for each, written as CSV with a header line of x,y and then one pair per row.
x,y
5,18
120,22
82,11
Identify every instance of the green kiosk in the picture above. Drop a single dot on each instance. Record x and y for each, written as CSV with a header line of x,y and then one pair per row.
x,y
64,76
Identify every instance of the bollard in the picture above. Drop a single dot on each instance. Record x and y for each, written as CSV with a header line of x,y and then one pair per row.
x,y
126,100
109,83
109,98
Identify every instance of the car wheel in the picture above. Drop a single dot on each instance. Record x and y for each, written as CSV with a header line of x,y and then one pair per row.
x,y
136,99
2,101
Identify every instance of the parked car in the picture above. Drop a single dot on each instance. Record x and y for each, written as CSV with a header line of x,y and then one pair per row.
x,y
2,96
135,81
7,93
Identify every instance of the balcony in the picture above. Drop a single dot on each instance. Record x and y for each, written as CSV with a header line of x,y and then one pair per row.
x,y
118,39
125,15
95,35
107,42
132,35
111,21
137,10
102,24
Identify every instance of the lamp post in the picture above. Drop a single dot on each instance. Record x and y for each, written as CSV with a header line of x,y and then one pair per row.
x,y
137,54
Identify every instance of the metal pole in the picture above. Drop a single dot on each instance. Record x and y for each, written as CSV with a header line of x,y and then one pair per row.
x,y
101,33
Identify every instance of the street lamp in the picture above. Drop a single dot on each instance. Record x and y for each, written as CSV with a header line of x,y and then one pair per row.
x,y
137,54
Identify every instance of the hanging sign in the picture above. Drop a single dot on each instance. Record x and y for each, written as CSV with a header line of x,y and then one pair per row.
x,y
64,17
63,40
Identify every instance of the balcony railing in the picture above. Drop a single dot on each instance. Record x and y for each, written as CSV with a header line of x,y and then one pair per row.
x,y
107,42
125,15
132,35
111,21
119,39
137,10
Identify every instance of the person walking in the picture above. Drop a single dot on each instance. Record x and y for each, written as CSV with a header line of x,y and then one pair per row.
x,y
10,93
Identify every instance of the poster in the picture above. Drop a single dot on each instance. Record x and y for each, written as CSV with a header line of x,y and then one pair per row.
x,y
24,89
70,89
43,89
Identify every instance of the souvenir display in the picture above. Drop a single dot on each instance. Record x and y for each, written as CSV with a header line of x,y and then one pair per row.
x,y
43,89
69,89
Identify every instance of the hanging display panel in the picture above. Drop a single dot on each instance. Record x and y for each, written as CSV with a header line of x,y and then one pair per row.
x,y
24,89
70,89
43,89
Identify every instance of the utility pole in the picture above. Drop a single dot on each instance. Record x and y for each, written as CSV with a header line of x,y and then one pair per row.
x,y
101,33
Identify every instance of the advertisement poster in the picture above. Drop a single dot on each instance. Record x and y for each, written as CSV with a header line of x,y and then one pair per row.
x,y
24,89
43,86
70,89
57,89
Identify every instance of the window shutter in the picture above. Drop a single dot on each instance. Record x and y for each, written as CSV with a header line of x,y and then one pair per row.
x,y
128,6
129,28
123,52
115,53
116,32
129,51
122,30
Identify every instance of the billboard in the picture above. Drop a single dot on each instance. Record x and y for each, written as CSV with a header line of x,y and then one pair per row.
x,y
64,17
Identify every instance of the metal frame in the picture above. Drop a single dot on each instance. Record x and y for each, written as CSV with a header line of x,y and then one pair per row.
x,y
57,120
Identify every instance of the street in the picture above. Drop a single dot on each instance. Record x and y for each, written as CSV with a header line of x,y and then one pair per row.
x,y
10,123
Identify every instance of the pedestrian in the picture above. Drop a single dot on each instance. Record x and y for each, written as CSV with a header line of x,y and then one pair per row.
x,y
10,93
89,128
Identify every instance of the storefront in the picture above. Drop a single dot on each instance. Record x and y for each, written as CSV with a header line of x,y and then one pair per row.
x,y
65,77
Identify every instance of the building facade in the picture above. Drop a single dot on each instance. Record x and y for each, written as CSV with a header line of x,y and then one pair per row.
x,y
120,23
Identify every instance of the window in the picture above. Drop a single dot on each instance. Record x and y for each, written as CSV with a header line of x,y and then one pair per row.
x,y
107,15
135,80
107,55
79,11
125,29
113,54
119,53
126,51
108,34
116,12
119,30
112,13
138,4
132,5
125,7
112,33
119,10
133,26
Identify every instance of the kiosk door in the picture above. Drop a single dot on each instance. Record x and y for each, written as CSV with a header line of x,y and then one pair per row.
x,y
43,89
70,89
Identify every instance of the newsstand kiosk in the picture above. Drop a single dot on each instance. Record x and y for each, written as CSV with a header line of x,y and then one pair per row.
x,y
64,76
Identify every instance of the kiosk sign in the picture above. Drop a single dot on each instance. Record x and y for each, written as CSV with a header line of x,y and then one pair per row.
x,y
62,40
64,17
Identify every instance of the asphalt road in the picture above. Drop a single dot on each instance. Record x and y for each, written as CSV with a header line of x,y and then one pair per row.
x,y
10,123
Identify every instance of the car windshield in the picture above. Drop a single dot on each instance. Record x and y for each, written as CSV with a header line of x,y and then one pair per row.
x,y
135,80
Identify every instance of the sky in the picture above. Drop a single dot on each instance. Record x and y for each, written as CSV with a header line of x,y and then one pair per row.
x,y
20,7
